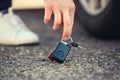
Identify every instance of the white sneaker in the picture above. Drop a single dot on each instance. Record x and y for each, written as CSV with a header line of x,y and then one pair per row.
x,y
13,31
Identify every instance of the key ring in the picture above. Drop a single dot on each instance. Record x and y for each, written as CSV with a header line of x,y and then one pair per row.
x,y
66,43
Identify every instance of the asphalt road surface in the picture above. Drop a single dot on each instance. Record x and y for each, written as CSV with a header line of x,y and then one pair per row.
x,y
100,60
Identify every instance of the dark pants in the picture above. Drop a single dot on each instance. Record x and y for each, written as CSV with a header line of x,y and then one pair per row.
x,y
5,4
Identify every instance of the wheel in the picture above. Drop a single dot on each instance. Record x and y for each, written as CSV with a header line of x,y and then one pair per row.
x,y
99,17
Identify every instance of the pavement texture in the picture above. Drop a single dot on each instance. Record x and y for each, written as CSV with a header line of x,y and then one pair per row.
x,y
100,60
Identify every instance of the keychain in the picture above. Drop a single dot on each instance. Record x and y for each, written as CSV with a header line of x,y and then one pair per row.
x,y
63,48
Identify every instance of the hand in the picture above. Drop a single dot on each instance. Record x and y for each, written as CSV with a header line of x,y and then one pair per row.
x,y
63,11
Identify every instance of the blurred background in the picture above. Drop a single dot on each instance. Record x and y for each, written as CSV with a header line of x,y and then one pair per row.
x,y
101,60
27,4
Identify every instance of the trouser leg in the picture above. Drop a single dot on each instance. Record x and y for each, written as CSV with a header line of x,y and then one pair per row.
x,y
5,4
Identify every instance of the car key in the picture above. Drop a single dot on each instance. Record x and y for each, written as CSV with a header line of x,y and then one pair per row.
x,y
74,44
60,53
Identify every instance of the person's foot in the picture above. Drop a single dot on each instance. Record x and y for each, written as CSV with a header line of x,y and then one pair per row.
x,y
13,31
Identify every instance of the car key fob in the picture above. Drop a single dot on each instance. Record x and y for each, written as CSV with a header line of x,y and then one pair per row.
x,y
60,53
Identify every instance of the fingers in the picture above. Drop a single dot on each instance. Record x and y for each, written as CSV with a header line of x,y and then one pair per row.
x,y
72,12
57,19
63,14
48,14
67,29
68,19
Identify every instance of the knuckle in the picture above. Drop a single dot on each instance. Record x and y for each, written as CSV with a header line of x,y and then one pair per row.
x,y
67,22
63,6
72,8
49,6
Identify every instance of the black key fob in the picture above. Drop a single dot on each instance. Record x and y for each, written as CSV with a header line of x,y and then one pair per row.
x,y
60,53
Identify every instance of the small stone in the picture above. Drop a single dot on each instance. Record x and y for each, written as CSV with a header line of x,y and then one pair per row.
x,y
3,49
21,53
27,51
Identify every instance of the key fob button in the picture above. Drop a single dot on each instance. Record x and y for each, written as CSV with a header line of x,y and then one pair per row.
x,y
61,53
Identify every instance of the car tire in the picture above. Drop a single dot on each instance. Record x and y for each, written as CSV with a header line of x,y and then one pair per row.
x,y
104,25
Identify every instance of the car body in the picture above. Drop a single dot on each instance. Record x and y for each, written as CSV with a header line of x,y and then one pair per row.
x,y
27,4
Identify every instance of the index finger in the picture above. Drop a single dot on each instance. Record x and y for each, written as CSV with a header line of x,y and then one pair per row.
x,y
67,29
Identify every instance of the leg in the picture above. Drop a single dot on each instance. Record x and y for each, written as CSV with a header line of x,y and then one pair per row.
x,y
5,4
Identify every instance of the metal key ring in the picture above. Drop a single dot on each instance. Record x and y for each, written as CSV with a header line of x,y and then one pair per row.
x,y
65,42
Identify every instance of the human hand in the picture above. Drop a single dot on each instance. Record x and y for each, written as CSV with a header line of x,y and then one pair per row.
x,y
63,11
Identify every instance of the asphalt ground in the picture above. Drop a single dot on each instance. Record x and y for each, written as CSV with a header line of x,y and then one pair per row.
x,y
100,60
